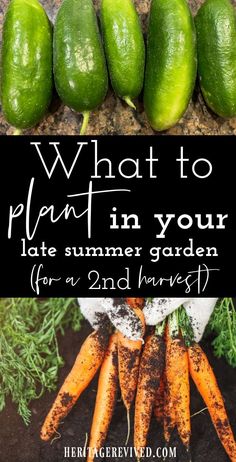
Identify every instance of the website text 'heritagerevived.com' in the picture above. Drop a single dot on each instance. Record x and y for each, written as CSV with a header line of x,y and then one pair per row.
x,y
119,452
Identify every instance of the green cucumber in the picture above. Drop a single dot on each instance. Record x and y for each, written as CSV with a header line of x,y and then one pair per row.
x,y
124,47
26,63
79,62
171,62
216,34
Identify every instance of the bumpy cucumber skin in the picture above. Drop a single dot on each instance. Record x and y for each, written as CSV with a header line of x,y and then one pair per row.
x,y
124,46
171,62
79,61
26,63
216,34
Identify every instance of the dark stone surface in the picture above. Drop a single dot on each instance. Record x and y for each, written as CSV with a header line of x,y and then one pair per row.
x,y
114,117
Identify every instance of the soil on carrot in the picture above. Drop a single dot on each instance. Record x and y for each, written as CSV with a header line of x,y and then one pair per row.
x,y
22,444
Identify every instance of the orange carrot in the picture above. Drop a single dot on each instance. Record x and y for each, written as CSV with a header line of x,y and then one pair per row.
x,y
150,372
128,360
169,416
105,400
129,352
135,302
85,367
160,400
169,408
177,375
204,378
169,421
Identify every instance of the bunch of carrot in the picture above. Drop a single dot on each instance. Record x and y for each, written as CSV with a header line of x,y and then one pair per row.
x,y
154,373
119,359
171,405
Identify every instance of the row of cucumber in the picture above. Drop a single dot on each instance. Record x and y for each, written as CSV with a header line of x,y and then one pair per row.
x,y
32,52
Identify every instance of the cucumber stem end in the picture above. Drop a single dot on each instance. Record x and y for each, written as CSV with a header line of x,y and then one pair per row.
x,y
130,103
86,115
17,132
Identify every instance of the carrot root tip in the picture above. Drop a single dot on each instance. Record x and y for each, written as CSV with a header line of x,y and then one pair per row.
x,y
199,412
56,437
189,454
128,427
86,442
